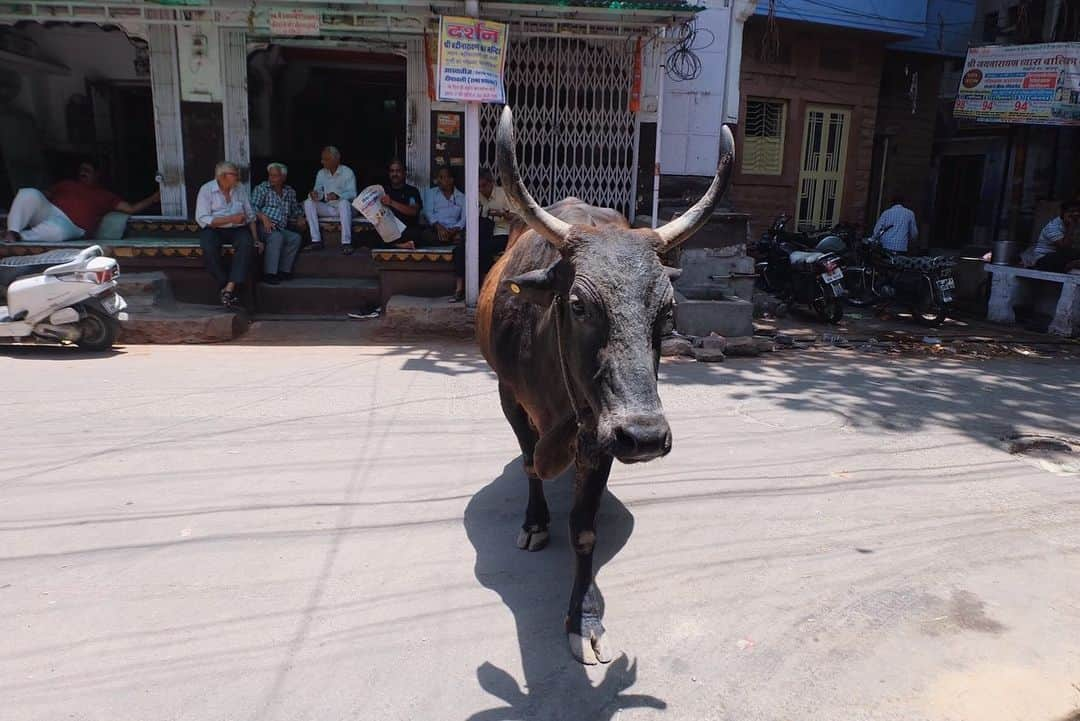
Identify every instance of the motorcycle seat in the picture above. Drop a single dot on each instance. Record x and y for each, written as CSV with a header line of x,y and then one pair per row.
x,y
19,266
804,259
921,264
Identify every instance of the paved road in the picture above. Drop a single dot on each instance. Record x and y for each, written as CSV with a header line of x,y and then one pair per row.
x,y
326,533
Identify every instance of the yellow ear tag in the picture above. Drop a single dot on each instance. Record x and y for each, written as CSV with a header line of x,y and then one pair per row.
x,y
515,288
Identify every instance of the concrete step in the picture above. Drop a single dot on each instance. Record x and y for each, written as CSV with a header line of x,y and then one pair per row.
x,y
407,315
330,263
318,296
183,323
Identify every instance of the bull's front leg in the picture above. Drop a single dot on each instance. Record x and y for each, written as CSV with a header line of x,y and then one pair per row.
x,y
584,627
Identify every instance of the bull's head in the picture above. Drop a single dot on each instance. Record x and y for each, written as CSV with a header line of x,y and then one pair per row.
x,y
614,304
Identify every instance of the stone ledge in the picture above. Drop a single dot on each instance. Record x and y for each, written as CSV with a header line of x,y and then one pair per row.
x,y
429,316
183,323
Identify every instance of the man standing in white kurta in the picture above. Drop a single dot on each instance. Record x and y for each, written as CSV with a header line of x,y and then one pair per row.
x,y
335,188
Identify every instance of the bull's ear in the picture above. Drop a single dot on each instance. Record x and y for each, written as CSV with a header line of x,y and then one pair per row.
x,y
536,286
673,274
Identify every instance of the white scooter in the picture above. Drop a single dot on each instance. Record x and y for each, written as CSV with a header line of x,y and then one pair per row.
x,y
62,295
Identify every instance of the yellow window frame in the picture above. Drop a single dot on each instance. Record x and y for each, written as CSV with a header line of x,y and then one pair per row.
x,y
764,154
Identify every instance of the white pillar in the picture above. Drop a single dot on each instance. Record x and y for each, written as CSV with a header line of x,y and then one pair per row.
x,y
741,11
472,189
661,69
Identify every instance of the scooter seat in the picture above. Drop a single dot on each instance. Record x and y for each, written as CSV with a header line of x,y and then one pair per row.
x,y
20,266
804,259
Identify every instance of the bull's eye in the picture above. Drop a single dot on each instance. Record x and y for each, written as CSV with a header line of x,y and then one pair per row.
x,y
577,307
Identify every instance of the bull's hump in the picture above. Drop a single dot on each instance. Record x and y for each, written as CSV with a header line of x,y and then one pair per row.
x,y
577,212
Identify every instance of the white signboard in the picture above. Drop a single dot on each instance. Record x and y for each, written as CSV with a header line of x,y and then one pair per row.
x,y
294,22
1027,84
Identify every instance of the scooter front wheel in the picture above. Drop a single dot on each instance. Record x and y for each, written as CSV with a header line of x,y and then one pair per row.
x,y
98,331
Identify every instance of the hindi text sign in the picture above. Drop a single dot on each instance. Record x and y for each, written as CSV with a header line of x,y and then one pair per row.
x,y
294,22
1029,84
472,57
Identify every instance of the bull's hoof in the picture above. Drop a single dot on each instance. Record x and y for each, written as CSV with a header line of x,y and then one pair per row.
x,y
591,649
532,539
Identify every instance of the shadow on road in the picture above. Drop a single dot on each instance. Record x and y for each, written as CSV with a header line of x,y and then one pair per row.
x,y
535,587
46,351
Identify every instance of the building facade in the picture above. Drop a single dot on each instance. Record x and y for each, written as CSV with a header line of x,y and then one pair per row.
x,y
839,107
166,90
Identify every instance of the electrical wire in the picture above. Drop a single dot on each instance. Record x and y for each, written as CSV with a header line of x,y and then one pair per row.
x,y
840,9
682,62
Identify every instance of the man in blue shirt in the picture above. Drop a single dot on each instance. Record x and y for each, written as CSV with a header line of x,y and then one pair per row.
x,y
275,205
444,209
897,227
224,215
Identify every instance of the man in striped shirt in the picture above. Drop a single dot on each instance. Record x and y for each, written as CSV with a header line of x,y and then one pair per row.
x,y
896,227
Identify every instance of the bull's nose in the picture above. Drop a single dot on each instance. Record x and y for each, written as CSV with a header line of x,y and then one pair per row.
x,y
642,438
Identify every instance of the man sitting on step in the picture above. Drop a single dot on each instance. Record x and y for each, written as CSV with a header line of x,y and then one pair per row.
x,y
332,196
69,210
224,215
276,206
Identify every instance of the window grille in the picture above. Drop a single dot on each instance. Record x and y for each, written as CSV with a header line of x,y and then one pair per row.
x,y
575,131
763,146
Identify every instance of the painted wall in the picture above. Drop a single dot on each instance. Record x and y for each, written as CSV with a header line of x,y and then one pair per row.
x,y
800,79
694,109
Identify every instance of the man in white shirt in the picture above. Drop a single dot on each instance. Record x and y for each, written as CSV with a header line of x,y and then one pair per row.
x,y
1053,250
332,196
224,214
903,230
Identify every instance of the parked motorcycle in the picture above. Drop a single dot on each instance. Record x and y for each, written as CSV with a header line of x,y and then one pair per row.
x,y
62,295
841,237
922,284
812,278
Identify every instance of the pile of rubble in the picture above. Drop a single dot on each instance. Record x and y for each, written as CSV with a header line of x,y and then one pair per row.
x,y
714,348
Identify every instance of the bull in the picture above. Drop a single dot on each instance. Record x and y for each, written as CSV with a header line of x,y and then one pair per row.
x,y
571,319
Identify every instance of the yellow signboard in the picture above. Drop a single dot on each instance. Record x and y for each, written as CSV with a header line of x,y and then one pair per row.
x,y
472,58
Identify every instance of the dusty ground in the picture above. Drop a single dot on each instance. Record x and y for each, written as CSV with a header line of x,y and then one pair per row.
x,y
326,532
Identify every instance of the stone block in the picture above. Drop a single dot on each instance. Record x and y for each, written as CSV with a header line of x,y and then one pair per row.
x,y
435,316
745,346
183,323
673,346
730,318
707,355
712,342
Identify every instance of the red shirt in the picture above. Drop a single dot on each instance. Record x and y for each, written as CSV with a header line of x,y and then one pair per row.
x,y
84,204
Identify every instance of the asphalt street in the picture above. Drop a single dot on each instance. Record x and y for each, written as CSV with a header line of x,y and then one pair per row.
x,y
249,532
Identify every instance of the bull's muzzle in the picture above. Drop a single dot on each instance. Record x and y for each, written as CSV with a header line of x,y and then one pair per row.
x,y
641,438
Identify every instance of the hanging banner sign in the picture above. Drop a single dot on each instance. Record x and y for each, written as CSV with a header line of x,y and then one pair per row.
x,y
294,22
1027,84
472,59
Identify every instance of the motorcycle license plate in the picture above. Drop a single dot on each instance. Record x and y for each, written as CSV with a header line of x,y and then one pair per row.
x,y
833,276
946,284
113,303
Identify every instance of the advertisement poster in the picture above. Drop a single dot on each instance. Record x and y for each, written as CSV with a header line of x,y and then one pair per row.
x,y
448,126
472,57
1028,84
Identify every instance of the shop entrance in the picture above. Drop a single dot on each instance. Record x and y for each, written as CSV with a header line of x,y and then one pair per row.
x,y
75,92
302,99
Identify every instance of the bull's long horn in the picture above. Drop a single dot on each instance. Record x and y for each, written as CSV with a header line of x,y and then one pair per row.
x,y
678,230
543,222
